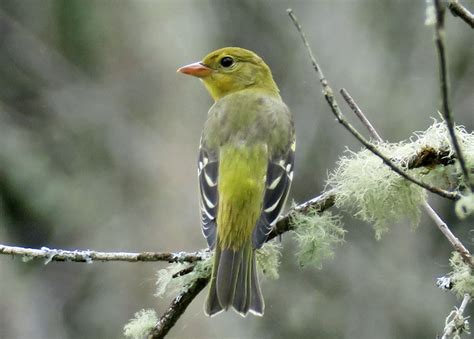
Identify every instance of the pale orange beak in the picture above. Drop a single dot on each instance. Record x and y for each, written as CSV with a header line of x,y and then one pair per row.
x,y
197,69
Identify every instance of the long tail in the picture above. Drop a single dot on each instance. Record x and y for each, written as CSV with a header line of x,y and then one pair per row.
x,y
234,282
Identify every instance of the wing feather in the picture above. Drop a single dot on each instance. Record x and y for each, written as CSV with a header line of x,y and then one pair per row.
x,y
208,167
279,178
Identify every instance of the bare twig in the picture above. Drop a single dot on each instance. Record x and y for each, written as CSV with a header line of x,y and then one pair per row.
x,y
331,100
460,11
357,111
455,322
455,242
444,83
176,309
89,256
443,227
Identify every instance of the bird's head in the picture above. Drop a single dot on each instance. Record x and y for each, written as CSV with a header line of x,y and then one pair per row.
x,y
231,69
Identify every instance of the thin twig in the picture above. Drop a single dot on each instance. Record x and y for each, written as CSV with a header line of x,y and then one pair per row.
x,y
460,11
89,256
455,242
444,91
357,111
457,323
331,100
443,227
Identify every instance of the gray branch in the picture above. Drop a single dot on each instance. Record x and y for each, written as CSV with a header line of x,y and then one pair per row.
x,y
176,309
462,12
88,256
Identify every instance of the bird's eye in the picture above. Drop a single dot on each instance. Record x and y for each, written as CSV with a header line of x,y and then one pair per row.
x,y
227,62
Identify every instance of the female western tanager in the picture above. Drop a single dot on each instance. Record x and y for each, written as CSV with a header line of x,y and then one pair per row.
x,y
245,170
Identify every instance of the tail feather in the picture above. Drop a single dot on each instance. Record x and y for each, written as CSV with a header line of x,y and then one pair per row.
x,y
234,282
212,305
228,275
241,302
257,305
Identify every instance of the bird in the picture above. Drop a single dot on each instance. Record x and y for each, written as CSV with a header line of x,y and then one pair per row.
x,y
245,170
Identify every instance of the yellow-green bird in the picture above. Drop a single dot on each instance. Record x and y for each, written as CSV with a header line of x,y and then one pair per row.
x,y
245,169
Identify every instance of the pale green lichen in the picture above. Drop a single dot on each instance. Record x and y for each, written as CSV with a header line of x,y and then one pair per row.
x,y
26,258
167,284
456,324
465,206
461,276
268,259
376,194
437,137
316,234
140,326
430,14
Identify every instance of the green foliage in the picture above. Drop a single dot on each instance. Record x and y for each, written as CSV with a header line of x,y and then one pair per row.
x,y
171,282
316,234
378,195
461,276
268,259
140,325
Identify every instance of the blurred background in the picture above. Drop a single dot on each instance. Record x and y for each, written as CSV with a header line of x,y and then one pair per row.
x,y
98,147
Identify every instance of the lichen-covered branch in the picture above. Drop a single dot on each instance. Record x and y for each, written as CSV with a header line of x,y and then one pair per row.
x,y
444,88
176,309
456,323
88,256
462,12
319,204
331,100
424,158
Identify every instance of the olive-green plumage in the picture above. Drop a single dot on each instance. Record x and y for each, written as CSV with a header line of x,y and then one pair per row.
x,y
245,171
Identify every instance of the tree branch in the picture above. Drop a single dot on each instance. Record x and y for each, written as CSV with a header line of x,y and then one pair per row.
x,y
331,100
444,84
89,256
357,111
460,11
442,226
176,309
